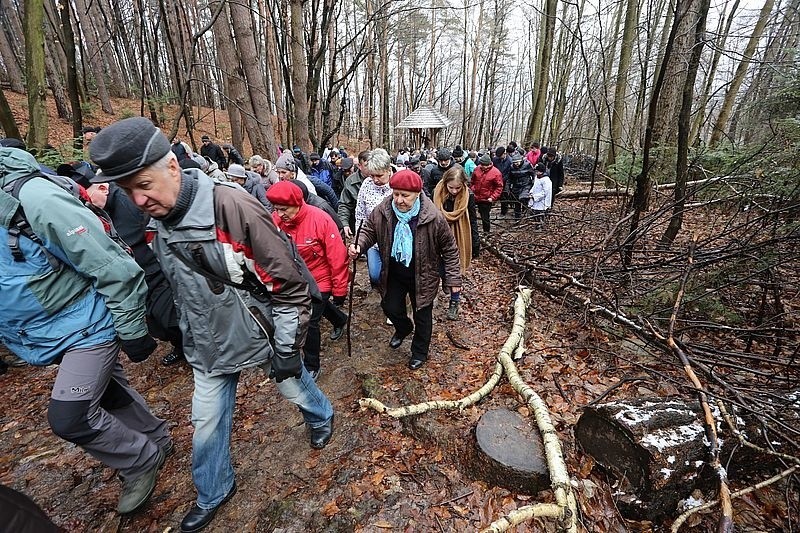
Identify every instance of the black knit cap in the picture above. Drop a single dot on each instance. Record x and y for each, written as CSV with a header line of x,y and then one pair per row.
x,y
126,147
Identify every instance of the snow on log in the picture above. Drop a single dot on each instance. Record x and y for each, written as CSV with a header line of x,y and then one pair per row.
x,y
509,452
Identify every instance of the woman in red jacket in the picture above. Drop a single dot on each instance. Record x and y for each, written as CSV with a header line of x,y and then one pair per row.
x,y
321,247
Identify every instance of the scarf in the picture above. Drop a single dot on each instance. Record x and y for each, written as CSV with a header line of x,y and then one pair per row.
x,y
403,243
184,200
458,219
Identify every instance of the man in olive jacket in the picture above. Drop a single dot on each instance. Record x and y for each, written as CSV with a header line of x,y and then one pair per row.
x,y
241,293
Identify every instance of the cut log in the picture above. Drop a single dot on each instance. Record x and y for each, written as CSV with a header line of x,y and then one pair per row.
x,y
509,453
656,447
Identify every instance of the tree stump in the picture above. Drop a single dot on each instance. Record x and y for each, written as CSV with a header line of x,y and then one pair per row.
x,y
509,452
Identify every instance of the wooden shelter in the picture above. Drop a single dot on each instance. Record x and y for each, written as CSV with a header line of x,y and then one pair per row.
x,y
424,125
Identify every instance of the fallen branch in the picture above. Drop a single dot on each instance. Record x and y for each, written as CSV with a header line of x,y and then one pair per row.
x,y
738,494
726,520
565,508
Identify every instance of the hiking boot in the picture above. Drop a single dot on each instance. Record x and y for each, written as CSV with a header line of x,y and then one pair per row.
x,y
136,492
452,311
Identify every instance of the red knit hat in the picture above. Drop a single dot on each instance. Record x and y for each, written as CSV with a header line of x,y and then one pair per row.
x,y
405,180
285,193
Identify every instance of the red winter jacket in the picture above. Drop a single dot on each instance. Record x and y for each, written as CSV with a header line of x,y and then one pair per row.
x,y
486,184
320,245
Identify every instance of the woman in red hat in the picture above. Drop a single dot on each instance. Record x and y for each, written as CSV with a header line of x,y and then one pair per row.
x,y
413,238
321,247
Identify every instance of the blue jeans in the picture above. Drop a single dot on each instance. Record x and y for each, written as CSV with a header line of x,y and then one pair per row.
x,y
374,265
212,417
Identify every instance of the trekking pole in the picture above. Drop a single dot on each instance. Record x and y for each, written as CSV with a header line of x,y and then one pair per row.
x,y
350,295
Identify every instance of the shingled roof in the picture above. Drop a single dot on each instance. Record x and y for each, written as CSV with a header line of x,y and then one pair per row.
x,y
424,117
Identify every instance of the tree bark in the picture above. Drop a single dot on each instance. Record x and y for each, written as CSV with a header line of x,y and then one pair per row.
x,y
11,62
73,91
261,134
621,83
94,58
534,130
299,76
684,126
738,78
35,74
7,121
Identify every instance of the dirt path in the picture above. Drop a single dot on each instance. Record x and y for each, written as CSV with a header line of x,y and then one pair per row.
x,y
377,474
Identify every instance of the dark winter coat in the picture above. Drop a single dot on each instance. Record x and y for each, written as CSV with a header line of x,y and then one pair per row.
x,y
131,224
348,198
255,186
435,176
213,152
520,179
433,244
234,157
555,170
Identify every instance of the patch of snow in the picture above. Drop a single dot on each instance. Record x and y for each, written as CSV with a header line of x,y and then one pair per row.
x,y
667,472
698,464
671,459
691,502
667,438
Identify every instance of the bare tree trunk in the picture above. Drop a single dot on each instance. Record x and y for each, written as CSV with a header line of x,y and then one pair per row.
x,y
11,63
738,78
534,130
262,135
684,126
277,89
35,74
621,83
719,48
641,195
94,59
227,59
68,43
7,122
299,77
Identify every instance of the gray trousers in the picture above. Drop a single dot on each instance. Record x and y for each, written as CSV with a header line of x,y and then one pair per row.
x,y
93,405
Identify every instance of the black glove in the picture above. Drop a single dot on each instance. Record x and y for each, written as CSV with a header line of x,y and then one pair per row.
x,y
139,349
339,300
286,365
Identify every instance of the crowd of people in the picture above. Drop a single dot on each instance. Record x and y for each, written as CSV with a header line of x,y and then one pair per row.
x,y
235,263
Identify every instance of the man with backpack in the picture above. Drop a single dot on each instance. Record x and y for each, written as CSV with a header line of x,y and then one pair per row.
x,y
243,293
73,297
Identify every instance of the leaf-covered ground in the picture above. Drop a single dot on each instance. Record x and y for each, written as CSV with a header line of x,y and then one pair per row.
x,y
377,474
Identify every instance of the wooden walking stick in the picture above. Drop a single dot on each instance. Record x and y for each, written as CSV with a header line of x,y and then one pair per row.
x,y
350,294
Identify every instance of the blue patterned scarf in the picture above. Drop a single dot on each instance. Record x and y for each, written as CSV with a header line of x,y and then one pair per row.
x,y
403,244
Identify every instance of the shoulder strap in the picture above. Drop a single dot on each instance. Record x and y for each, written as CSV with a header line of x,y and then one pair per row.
x,y
256,289
19,225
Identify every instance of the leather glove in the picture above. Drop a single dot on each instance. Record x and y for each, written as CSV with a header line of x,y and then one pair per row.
x,y
286,365
339,300
139,349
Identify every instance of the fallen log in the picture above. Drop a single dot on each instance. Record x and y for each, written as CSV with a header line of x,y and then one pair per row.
x,y
622,191
657,448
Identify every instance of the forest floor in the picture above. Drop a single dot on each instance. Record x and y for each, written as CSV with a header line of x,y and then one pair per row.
x,y
378,473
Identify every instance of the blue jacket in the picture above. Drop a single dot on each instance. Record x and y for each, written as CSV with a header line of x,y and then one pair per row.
x,y
95,294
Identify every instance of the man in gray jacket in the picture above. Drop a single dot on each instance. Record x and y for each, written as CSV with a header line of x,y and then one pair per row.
x,y
242,293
